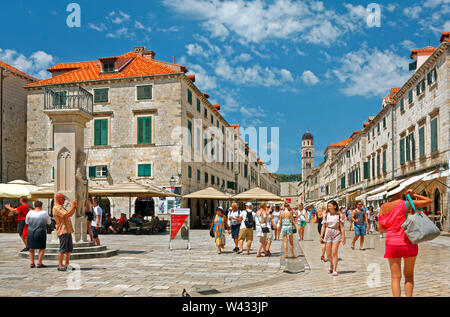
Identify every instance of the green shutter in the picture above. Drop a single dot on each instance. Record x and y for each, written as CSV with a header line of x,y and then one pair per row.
x,y
59,98
144,92
144,130
92,171
408,149
190,96
343,182
434,135
53,136
106,171
378,164
402,151
384,161
198,105
413,146
101,95
402,104
101,132
366,170
198,175
410,96
189,171
144,170
422,142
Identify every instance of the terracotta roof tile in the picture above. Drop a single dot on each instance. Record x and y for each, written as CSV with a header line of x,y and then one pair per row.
x,y
89,71
428,49
16,70
445,37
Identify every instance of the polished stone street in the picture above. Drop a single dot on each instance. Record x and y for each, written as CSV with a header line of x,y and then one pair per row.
x,y
146,267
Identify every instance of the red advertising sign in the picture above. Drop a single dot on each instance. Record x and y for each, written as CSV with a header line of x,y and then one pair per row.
x,y
288,200
177,222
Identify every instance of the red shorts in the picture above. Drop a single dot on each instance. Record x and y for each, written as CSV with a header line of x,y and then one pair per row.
x,y
401,251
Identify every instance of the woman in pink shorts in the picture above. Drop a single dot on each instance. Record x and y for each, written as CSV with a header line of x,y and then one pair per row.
x,y
332,234
398,246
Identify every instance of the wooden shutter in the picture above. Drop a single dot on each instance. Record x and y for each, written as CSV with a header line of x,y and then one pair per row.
x,y
402,151
97,132
92,171
190,96
189,171
408,149
144,130
104,132
410,96
422,142
190,133
366,170
413,146
198,105
384,161
378,164
402,104
434,135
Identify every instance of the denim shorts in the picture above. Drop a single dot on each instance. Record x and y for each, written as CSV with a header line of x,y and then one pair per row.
x,y
95,232
235,231
360,230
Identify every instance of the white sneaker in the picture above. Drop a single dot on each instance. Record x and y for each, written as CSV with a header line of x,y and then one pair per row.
x,y
381,236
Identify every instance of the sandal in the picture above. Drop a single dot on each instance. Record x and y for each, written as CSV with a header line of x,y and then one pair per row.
x,y
41,266
32,266
259,256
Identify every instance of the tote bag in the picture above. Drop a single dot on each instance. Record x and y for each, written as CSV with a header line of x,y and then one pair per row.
x,y
419,228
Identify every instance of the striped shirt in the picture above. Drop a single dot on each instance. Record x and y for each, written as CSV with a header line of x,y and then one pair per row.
x,y
63,223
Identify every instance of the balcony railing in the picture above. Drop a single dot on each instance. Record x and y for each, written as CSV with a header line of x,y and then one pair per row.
x,y
70,97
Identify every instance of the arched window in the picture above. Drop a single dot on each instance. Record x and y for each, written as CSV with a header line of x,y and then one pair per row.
x,y
437,201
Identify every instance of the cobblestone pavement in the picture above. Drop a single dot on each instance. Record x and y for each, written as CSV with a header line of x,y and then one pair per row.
x,y
146,267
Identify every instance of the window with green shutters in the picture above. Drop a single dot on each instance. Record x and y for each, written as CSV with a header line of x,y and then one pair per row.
x,y
412,146
434,135
53,136
402,151
212,179
384,122
378,127
205,113
421,141
101,95
378,164
198,105
144,130
98,171
373,167
144,170
144,92
190,96
367,170
432,76
410,96
384,161
198,175
59,98
402,104
190,171
190,133
420,88
343,182
206,177
100,132
212,147
408,149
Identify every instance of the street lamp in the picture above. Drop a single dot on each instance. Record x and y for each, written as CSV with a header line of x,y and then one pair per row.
x,y
172,181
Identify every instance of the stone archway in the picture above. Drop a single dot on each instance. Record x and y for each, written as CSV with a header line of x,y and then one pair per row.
x,y
437,201
144,206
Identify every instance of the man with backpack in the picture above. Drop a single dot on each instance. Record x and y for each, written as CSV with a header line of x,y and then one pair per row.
x,y
247,218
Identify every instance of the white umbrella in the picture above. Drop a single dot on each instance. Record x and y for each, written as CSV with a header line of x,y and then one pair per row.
x,y
17,189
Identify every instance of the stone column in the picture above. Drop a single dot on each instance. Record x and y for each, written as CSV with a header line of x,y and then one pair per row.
x,y
70,162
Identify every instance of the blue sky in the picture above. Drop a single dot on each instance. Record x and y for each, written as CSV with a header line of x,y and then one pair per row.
x,y
297,65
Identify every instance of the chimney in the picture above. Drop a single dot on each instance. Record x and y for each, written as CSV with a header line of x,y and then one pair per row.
x,y
142,51
445,37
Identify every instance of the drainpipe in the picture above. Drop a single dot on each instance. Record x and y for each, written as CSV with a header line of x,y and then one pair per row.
x,y
393,141
1,124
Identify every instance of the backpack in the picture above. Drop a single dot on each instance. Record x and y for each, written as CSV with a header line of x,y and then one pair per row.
x,y
249,221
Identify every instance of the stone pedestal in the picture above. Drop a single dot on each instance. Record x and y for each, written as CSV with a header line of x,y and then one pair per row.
x,y
70,163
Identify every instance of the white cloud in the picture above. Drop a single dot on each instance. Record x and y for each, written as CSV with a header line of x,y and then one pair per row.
x,y
118,18
255,21
446,26
412,12
254,75
391,7
36,65
309,78
196,50
122,32
100,27
370,72
409,45
203,80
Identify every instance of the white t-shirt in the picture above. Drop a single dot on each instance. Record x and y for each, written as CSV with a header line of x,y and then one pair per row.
x,y
234,214
302,215
243,214
97,212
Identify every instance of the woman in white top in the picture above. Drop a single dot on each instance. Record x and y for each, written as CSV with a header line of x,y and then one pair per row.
x,y
261,222
332,234
37,221
276,222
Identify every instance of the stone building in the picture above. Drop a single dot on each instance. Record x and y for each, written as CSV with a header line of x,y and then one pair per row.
x,y
13,118
410,136
151,124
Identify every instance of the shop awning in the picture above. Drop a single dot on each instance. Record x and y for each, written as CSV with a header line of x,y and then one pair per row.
x,y
437,175
257,194
209,193
17,189
377,190
408,182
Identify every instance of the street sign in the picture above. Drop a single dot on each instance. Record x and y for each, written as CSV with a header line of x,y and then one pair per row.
x,y
180,224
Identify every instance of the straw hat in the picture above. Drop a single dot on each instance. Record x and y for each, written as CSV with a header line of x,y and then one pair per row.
x,y
393,189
